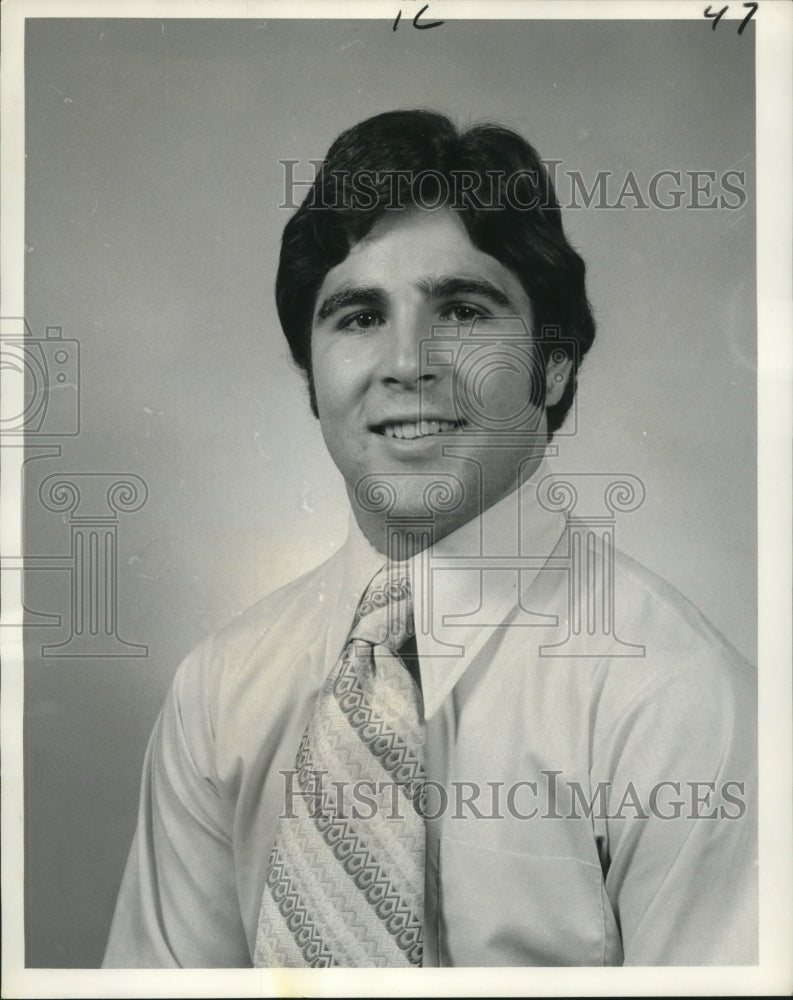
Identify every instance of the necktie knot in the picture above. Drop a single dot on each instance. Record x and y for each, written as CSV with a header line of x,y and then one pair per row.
x,y
385,612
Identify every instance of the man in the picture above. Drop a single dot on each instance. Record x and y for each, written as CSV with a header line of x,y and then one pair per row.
x,y
476,735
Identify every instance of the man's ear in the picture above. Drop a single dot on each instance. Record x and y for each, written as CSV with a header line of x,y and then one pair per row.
x,y
558,370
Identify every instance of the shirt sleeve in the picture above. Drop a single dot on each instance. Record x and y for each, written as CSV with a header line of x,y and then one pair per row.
x,y
681,833
178,903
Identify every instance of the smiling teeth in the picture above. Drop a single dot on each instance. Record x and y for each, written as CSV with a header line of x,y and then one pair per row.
x,y
420,428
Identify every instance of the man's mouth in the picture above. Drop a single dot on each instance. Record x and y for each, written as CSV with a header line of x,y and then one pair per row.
x,y
408,430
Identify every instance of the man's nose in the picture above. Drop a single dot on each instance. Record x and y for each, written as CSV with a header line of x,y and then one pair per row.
x,y
402,362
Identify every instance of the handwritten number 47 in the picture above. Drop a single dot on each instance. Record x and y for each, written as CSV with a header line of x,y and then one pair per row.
x,y
718,15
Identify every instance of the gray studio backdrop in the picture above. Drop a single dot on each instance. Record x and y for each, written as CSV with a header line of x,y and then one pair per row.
x,y
152,233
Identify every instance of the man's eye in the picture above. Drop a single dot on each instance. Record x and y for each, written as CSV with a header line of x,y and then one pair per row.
x,y
463,313
360,321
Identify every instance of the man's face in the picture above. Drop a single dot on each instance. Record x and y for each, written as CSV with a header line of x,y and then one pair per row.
x,y
383,414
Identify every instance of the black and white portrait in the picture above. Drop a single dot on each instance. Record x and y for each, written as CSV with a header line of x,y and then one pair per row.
x,y
392,545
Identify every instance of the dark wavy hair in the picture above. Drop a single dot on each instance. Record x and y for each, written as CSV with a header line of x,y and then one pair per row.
x,y
414,158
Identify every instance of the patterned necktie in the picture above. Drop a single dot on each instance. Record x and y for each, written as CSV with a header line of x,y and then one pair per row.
x,y
345,882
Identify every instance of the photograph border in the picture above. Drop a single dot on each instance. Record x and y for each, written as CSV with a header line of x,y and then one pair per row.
x,y
774,110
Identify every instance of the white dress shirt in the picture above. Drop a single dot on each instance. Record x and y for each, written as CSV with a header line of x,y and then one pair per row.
x,y
590,744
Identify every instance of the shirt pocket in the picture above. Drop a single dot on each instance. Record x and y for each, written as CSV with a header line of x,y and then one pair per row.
x,y
498,908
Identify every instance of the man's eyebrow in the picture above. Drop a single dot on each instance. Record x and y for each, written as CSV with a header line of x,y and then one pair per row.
x,y
446,286
351,295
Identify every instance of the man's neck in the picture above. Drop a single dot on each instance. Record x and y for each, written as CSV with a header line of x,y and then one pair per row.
x,y
403,535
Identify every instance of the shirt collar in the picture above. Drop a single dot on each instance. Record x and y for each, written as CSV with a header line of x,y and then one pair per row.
x,y
465,585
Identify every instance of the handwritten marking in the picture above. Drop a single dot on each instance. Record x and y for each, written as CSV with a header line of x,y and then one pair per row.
x,y
718,15
421,27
